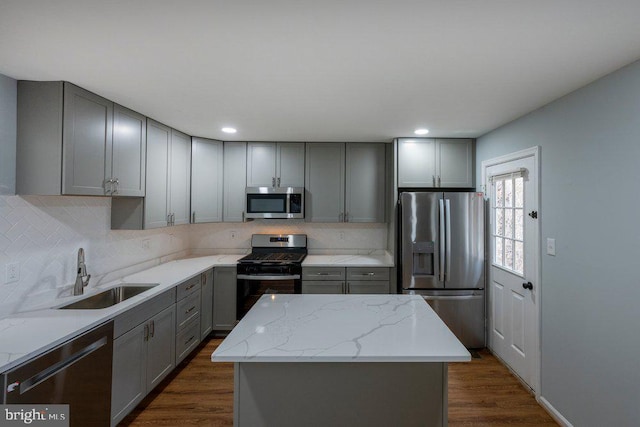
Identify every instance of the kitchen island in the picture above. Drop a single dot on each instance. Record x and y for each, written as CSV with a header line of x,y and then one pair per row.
x,y
352,360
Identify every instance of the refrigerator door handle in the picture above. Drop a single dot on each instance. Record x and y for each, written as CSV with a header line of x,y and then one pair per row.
x,y
448,239
441,252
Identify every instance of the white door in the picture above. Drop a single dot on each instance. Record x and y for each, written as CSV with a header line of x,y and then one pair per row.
x,y
514,293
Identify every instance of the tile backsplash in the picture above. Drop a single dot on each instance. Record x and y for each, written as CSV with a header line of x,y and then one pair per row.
x,y
42,234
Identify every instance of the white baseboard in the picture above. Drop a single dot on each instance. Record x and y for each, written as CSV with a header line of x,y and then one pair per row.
x,y
554,412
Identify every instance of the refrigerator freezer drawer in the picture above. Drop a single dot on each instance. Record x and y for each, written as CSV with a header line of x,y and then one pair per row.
x,y
463,314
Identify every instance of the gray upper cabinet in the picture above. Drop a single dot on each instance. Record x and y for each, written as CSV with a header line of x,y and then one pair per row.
x,y
271,164
416,162
365,183
168,177
206,180
156,200
434,163
87,135
129,152
235,166
71,141
179,178
455,167
325,182
345,182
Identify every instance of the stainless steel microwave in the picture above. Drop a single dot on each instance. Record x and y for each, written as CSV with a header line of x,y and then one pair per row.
x,y
274,202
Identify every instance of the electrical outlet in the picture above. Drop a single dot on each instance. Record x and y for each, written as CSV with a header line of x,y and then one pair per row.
x,y
232,234
146,244
13,272
341,235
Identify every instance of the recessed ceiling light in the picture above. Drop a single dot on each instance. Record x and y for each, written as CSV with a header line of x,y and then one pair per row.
x,y
421,131
229,130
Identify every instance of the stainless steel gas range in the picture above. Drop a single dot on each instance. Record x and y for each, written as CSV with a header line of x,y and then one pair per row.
x,y
274,266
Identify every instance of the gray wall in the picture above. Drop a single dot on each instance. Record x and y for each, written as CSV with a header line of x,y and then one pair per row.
x,y
8,114
590,202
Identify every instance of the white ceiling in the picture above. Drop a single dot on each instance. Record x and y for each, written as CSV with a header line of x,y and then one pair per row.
x,y
322,70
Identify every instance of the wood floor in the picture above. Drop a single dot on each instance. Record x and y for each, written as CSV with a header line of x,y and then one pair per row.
x,y
200,393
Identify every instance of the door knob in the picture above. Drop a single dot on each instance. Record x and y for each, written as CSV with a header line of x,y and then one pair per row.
x,y
528,285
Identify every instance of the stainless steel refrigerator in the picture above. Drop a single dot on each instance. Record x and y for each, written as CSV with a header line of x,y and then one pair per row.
x,y
441,257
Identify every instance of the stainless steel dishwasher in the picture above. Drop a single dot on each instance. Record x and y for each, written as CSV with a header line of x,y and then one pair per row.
x,y
77,373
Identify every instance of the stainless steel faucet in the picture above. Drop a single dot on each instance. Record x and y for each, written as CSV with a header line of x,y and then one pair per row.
x,y
82,278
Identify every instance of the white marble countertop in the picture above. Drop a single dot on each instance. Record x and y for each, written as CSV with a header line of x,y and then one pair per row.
x,y
341,328
348,261
25,335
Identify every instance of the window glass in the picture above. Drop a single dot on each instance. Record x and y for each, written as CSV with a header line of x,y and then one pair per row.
x,y
508,223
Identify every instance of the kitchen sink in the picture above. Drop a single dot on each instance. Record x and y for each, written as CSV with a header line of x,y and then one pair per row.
x,y
110,297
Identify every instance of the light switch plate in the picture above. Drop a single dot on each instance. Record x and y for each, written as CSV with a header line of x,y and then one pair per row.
x,y
551,247
12,273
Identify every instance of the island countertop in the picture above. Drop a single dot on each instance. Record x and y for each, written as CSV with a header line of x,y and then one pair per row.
x,y
341,328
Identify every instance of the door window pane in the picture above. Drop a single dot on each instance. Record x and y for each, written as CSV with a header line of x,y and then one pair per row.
x,y
508,223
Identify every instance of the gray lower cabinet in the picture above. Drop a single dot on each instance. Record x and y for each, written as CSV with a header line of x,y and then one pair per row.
x,y
224,298
72,141
235,181
143,352
206,307
341,280
188,306
322,287
206,180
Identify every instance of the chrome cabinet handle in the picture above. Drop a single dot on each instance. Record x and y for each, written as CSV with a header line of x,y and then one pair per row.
x,y
193,217
439,181
278,181
368,274
152,329
116,183
190,310
189,287
433,179
273,181
109,183
323,274
146,332
189,340
168,219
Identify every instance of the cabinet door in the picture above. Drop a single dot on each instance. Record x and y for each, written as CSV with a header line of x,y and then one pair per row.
x,y
87,139
365,186
129,152
455,167
206,310
324,177
224,298
322,287
416,162
180,177
368,287
129,371
155,202
206,180
161,346
261,164
235,181
290,164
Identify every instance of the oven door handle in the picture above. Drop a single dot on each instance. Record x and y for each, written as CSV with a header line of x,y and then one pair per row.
x,y
259,277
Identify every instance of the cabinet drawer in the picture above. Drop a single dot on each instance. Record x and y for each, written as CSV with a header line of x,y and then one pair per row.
x,y
365,273
136,315
323,273
187,339
368,287
188,286
322,287
187,309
